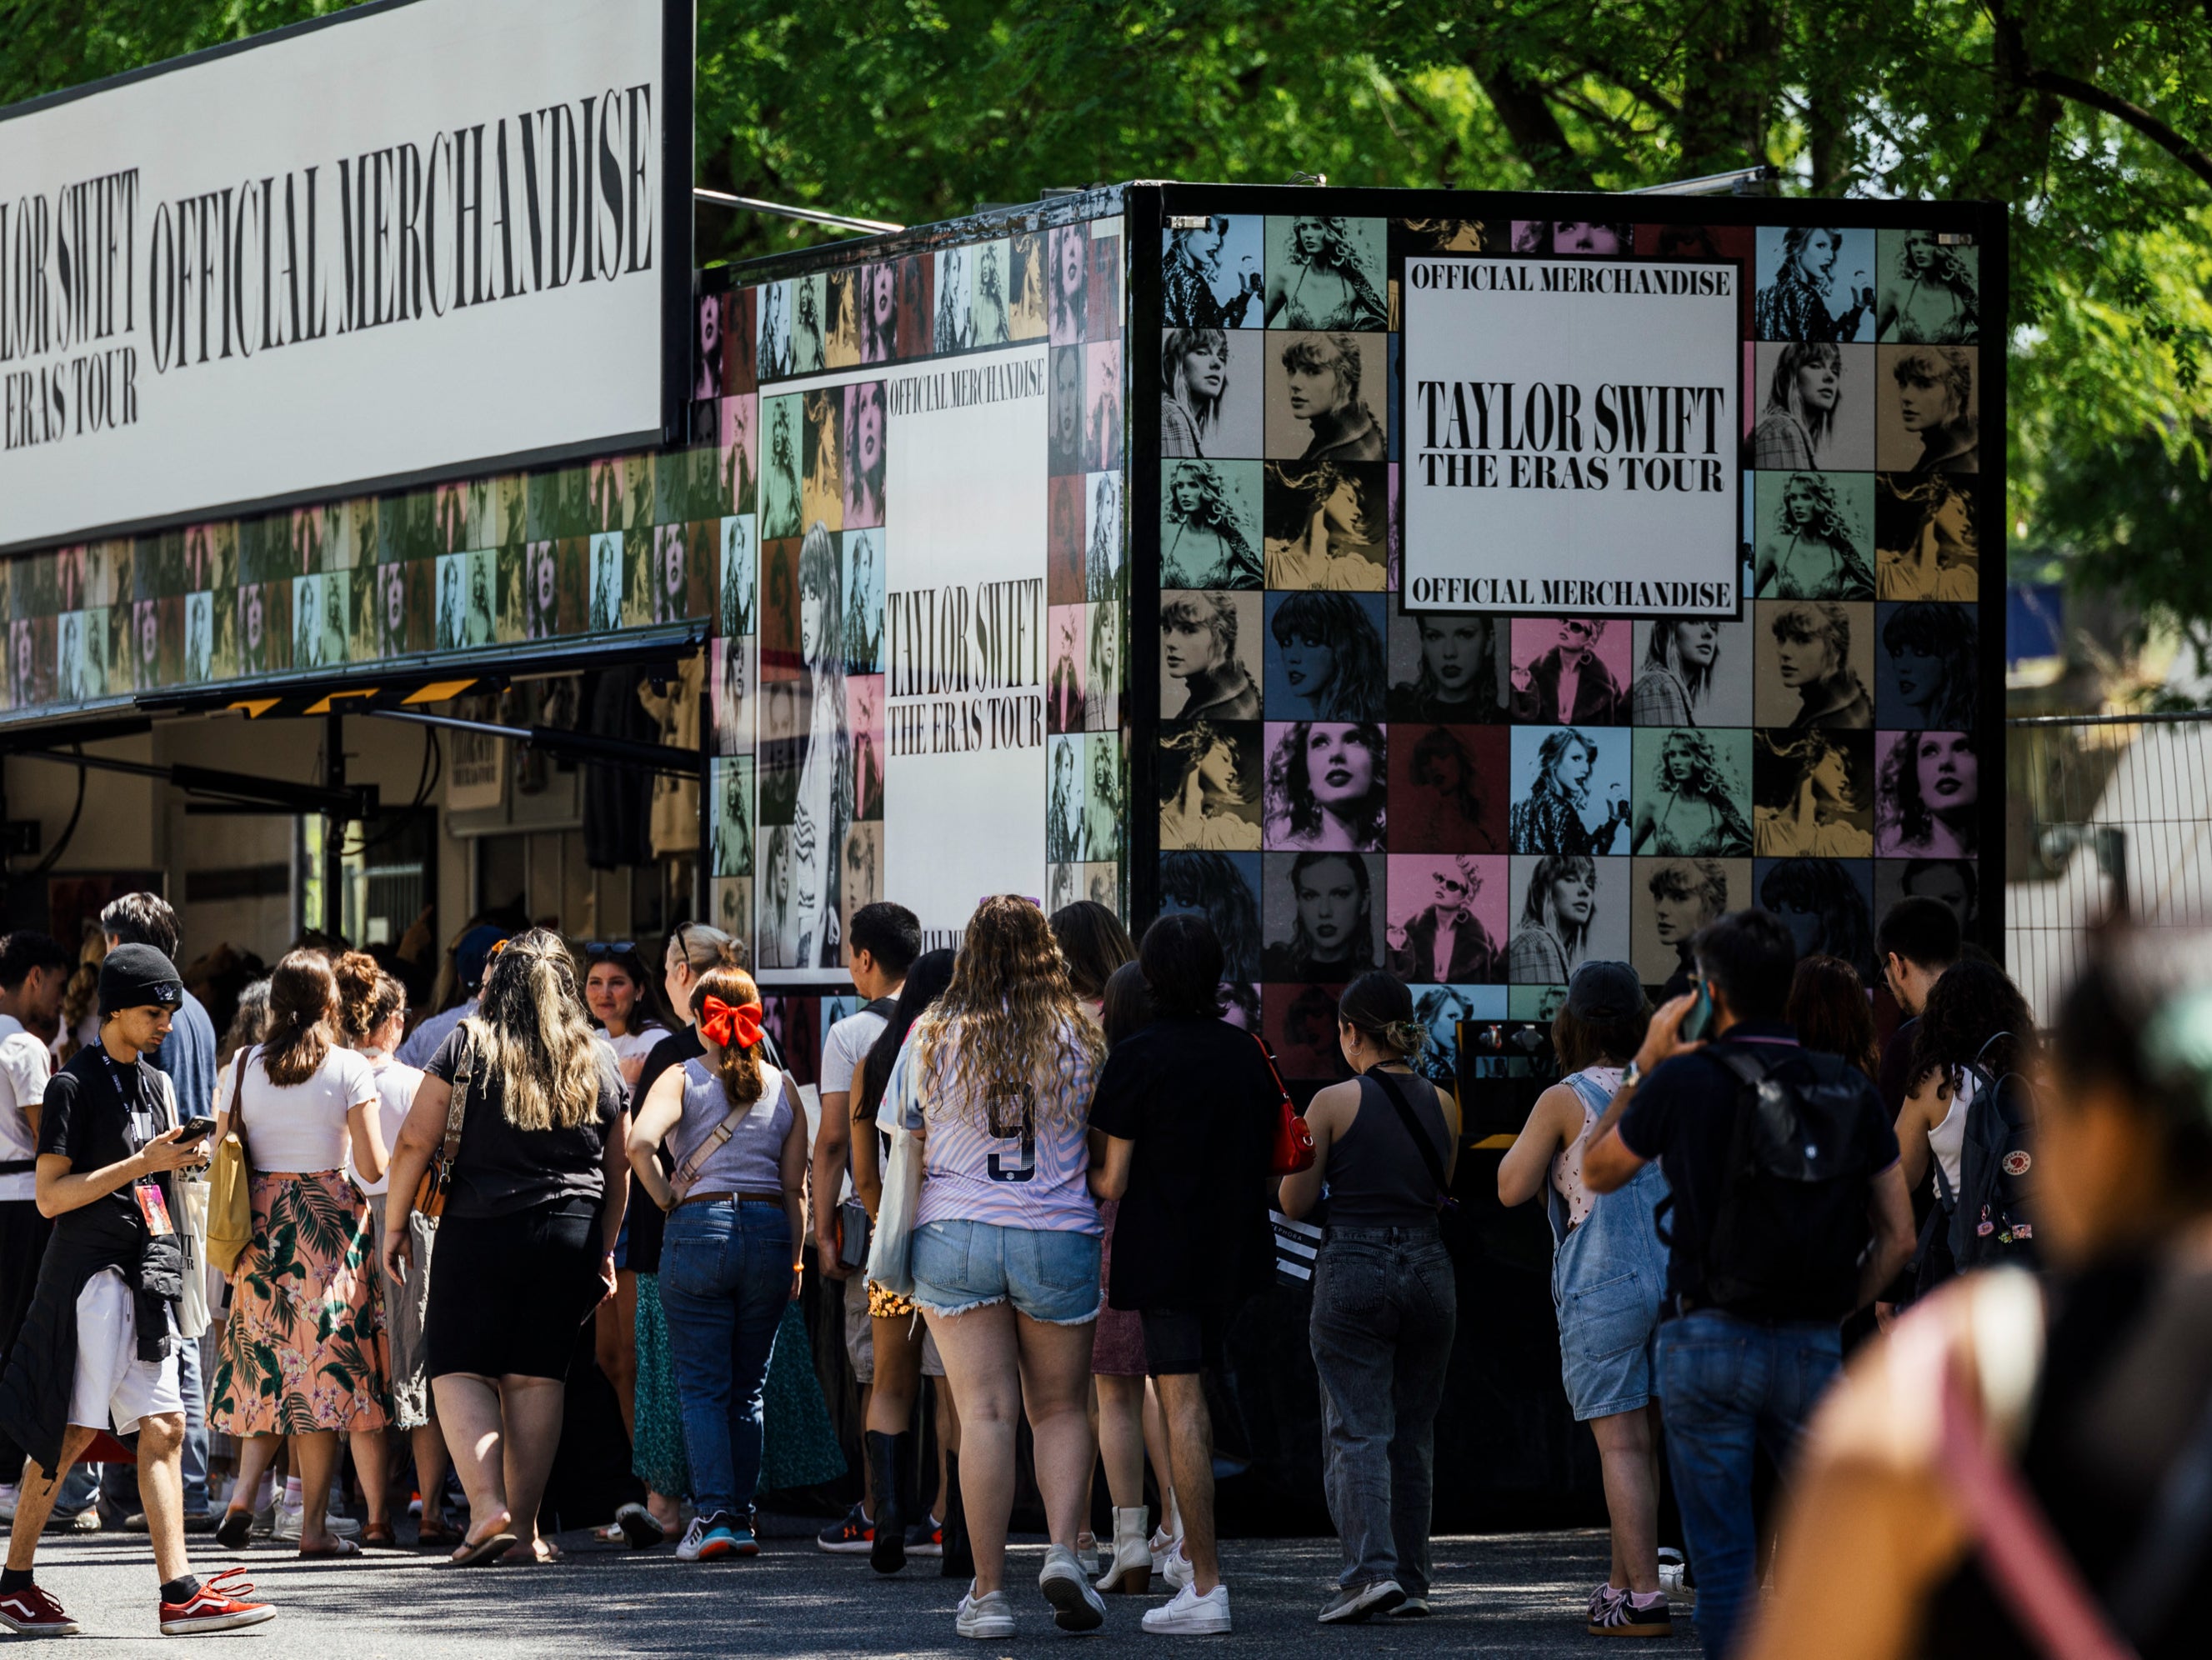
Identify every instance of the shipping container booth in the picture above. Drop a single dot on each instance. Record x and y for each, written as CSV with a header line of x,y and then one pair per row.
x,y
1406,578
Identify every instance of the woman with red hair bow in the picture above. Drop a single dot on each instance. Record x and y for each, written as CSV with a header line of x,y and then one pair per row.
x,y
729,1261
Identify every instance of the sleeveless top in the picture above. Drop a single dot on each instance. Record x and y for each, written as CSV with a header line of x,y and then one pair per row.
x,y
1948,1138
1567,1163
1376,1177
750,1161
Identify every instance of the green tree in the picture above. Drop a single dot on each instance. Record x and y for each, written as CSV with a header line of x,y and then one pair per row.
x,y
2090,118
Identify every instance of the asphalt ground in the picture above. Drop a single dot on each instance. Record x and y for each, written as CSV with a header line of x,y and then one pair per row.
x,y
1498,1593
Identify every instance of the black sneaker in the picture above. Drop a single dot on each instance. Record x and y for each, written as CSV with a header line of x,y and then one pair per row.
x,y
1354,1604
1618,1616
853,1537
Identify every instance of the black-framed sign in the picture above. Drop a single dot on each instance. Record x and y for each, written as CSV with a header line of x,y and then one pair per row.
x,y
411,240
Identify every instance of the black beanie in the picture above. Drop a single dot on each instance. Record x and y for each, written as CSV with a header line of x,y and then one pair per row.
x,y
136,977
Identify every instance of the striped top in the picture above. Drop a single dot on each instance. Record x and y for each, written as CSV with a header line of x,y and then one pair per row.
x,y
1011,1160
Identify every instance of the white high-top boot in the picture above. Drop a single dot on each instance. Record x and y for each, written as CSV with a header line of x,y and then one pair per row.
x,y
1131,1570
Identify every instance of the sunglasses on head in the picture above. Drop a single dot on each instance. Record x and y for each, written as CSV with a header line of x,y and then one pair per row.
x,y
598,949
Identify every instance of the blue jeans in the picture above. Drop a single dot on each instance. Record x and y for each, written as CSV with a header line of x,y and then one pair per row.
x,y
724,1279
1385,1307
1726,1387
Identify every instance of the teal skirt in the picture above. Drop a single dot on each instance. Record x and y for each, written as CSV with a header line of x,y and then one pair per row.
x,y
799,1447
657,1452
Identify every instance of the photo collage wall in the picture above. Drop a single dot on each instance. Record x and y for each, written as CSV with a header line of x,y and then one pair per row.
x,y
819,538
1483,803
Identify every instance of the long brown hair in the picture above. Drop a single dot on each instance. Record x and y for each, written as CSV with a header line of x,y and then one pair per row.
x,y
302,1000
1010,1016
1828,1005
738,1069
531,1027
367,996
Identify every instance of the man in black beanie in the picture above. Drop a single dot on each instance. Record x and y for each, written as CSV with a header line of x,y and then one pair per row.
x,y
98,1346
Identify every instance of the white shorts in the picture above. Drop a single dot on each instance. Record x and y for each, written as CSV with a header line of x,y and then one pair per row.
x,y
112,1385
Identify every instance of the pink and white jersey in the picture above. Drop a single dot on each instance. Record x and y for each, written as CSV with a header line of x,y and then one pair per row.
x,y
1011,1159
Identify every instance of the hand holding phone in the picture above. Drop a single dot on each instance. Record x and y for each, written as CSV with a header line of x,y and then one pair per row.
x,y
195,1129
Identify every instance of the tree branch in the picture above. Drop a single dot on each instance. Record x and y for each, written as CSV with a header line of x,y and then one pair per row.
x,y
2135,115
1529,123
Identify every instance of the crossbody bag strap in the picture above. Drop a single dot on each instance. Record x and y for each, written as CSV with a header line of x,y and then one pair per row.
x,y
1432,1160
687,1171
457,1105
238,1100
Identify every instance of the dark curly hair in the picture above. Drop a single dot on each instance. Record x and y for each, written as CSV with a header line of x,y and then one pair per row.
x,y
1967,1010
1900,789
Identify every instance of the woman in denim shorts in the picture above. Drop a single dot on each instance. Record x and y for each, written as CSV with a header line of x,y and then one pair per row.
x,y
1608,1279
996,1080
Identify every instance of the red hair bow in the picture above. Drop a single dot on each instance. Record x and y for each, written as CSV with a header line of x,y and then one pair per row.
x,y
729,1026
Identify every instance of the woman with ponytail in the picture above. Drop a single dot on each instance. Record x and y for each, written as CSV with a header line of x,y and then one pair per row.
x,y
729,1258
526,1246
302,1353
1385,1304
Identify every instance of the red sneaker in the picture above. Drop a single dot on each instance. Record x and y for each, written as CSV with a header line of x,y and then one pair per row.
x,y
217,1605
32,1613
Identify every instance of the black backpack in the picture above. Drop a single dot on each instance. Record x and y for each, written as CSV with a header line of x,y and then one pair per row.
x,y
1790,1226
1989,1217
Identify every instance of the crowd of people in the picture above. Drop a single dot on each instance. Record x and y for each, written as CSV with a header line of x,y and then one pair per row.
x,y
1040,1170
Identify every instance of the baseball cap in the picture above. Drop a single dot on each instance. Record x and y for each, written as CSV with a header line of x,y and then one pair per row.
x,y
474,952
1602,990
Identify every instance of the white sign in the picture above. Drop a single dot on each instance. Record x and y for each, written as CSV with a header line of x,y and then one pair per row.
x,y
1571,436
964,635
425,239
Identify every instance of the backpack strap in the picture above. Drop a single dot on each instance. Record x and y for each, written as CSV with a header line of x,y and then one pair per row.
x,y
1432,1160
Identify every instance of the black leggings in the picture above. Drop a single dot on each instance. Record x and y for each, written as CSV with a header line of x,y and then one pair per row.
x,y
507,1292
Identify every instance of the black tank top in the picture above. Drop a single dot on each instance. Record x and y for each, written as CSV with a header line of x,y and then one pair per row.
x,y
2127,1374
1376,1178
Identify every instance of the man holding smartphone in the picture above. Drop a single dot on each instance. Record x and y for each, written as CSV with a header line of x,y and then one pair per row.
x,y
98,1346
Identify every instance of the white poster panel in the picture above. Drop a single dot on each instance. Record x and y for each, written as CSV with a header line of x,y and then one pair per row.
x,y
964,636
425,238
1571,436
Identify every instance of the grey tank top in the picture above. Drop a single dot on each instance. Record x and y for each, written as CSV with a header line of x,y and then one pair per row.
x,y
1375,1175
750,1160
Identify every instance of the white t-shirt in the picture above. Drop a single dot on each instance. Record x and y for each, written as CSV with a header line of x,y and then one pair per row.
x,y
633,1045
302,1127
25,1066
395,1084
849,1040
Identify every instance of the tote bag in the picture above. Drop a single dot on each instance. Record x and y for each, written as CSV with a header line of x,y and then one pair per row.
x,y
890,1253
230,1182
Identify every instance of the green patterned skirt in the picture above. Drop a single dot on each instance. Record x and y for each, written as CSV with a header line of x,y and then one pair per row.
x,y
657,1451
798,1445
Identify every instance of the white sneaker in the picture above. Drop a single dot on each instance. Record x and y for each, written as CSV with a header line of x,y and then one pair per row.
x,y
286,1531
1192,1615
1075,1606
1162,1547
1177,1571
985,1616
694,1536
10,1495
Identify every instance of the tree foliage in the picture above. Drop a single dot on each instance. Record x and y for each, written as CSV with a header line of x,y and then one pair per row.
x,y
2092,120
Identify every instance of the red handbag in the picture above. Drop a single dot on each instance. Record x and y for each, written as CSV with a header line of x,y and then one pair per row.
x,y
1291,1147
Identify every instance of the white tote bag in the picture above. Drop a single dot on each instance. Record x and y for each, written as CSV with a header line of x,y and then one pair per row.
x,y
890,1253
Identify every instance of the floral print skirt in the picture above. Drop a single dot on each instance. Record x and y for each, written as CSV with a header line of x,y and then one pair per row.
x,y
304,1348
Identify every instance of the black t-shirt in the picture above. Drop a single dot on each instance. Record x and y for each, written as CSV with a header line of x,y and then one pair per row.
x,y
93,1126
502,1170
648,1221
1896,1067
1197,1100
1684,1115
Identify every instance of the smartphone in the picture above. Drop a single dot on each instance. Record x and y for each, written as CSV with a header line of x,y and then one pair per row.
x,y
197,1129
1700,1016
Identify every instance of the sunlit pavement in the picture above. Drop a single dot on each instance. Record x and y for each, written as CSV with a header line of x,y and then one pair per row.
x,y
1505,1594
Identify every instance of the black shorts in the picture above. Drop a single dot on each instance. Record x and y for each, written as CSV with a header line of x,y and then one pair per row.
x,y
507,1292
1182,1341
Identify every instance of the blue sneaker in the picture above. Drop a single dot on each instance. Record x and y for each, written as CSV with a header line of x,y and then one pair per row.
x,y
727,1536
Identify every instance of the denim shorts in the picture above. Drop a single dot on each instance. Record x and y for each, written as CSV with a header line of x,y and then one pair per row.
x,y
1049,1275
1608,1337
